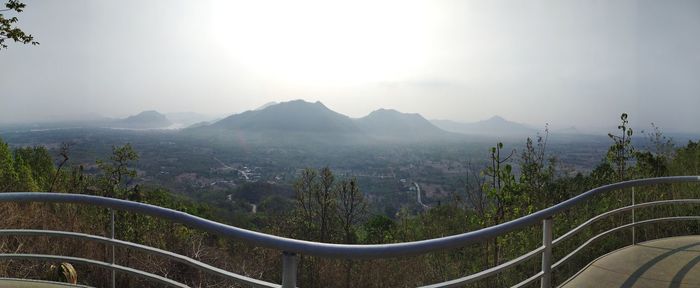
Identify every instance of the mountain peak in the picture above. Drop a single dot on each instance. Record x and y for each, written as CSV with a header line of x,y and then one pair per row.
x,y
299,102
145,119
385,112
268,104
382,112
291,104
295,115
390,123
496,118
147,113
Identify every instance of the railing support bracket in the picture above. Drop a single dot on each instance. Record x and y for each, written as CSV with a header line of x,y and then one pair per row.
x,y
111,234
546,281
289,270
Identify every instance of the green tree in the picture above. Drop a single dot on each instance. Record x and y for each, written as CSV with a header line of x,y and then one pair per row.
x,y
501,189
660,144
326,202
41,164
116,173
327,210
351,209
316,213
650,165
622,151
306,221
8,25
63,152
686,160
25,181
379,229
536,171
304,214
654,163
8,176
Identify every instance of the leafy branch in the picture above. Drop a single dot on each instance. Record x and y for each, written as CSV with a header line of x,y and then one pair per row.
x,y
9,29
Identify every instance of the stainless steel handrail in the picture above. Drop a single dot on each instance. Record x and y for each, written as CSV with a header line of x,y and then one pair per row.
x,y
529,281
291,247
143,248
618,228
110,266
580,227
346,251
460,282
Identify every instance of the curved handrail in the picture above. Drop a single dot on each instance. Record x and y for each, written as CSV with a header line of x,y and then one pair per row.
x,y
590,221
348,251
143,248
528,281
460,282
618,228
116,267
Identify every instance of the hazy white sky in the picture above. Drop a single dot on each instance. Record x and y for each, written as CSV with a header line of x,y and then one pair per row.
x,y
568,63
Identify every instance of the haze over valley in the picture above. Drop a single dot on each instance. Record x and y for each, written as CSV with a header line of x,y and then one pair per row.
x,y
387,150
524,139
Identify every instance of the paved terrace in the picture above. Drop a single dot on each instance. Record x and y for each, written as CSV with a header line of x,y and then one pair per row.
x,y
24,283
669,262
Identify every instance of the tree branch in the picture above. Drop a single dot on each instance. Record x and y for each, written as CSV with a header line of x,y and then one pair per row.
x,y
508,158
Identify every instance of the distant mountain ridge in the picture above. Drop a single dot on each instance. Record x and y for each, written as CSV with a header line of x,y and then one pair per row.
x,y
299,120
394,124
495,125
145,120
297,115
185,119
268,104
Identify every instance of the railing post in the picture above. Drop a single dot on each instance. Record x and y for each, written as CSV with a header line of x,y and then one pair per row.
x,y
289,270
634,238
546,281
114,275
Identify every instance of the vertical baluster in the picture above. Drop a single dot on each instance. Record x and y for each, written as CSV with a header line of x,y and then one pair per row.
x,y
289,270
114,275
546,281
634,238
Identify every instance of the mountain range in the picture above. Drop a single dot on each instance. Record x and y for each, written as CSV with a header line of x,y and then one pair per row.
x,y
388,124
495,125
144,120
305,121
299,121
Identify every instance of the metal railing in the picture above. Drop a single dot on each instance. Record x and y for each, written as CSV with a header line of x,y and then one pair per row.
x,y
290,248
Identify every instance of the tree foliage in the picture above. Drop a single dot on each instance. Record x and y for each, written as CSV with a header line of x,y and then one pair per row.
x,y
327,210
117,173
29,169
622,151
8,25
330,208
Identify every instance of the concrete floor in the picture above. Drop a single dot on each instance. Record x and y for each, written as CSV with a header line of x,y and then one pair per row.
x,y
669,262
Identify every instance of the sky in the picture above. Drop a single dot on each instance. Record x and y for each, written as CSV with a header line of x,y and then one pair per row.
x,y
567,63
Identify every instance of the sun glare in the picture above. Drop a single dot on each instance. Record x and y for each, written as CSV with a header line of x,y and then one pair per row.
x,y
324,42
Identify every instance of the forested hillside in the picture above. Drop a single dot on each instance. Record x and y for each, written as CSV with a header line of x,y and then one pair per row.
x,y
328,208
